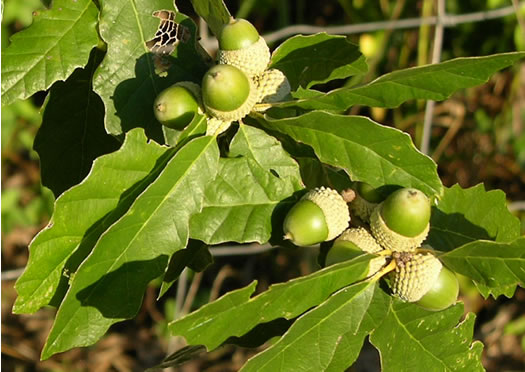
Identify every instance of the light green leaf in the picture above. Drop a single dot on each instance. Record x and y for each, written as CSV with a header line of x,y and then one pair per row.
x,y
109,285
466,215
214,12
265,150
349,344
126,80
494,265
316,59
58,41
212,324
432,82
366,150
318,331
81,215
240,204
413,339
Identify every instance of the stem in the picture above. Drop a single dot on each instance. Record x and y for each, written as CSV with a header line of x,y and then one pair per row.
x,y
385,270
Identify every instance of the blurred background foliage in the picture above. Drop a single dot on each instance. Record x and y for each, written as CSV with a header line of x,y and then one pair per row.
x,y
478,136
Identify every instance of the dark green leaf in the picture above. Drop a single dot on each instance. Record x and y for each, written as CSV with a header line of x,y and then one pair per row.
x,y
196,256
316,59
212,324
366,150
316,174
58,41
214,12
72,134
495,265
109,285
317,331
179,357
240,204
126,80
434,82
81,215
261,333
466,215
413,339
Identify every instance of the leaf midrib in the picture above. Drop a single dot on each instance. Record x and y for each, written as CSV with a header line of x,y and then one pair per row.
x,y
124,251
319,132
318,325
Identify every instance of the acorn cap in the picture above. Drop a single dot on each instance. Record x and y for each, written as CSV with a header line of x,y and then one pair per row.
x,y
253,60
414,275
362,238
334,208
194,88
272,86
362,208
216,126
389,239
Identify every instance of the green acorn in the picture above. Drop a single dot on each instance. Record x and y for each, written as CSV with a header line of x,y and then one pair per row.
x,y
272,86
228,94
401,222
421,278
176,105
366,199
240,45
443,293
320,215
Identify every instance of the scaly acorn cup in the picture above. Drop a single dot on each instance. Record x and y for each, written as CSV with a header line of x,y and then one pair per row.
x,y
272,86
414,275
215,126
401,222
240,45
352,243
366,199
176,105
359,237
320,215
228,94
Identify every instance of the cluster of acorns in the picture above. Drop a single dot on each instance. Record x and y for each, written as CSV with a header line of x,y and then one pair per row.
x,y
393,228
240,83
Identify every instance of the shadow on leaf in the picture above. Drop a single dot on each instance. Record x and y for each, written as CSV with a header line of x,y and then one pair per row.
x,y
452,230
118,294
